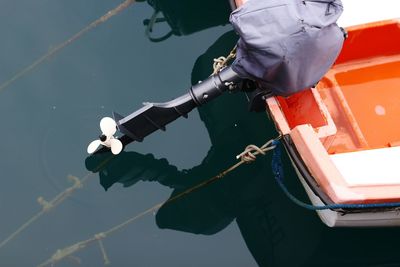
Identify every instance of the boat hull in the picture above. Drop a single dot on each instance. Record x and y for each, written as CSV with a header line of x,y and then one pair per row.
x,y
342,136
371,218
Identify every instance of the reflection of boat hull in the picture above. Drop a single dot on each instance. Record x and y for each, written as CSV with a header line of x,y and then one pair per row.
x,y
341,136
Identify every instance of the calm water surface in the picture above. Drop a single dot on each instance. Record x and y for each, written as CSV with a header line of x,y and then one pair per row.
x,y
51,114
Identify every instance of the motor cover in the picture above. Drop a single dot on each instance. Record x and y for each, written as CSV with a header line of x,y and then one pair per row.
x,y
287,45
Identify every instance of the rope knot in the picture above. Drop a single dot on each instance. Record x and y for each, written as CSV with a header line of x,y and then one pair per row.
x,y
221,62
252,151
249,154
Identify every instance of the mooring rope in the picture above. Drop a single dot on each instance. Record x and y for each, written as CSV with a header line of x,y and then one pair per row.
x,y
56,49
251,151
49,205
53,203
248,155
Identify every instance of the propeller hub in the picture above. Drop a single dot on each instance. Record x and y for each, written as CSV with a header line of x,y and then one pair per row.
x,y
108,128
103,138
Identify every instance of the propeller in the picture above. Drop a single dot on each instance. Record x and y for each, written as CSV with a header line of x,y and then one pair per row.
x,y
108,128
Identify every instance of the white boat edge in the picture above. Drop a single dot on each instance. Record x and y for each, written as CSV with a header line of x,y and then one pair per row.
x,y
357,12
387,218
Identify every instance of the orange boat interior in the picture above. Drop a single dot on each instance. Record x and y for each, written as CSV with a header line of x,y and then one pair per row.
x,y
361,92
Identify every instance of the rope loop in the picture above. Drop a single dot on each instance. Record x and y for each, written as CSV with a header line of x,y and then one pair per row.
x,y
218,64
221,62
150,24
252,151
248,156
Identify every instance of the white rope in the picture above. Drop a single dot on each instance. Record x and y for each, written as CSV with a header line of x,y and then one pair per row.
x,y
251,151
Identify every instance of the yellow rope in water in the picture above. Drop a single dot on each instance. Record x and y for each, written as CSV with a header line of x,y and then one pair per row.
x,y
102,249
46,207
63,195
57,48
57,200
247,156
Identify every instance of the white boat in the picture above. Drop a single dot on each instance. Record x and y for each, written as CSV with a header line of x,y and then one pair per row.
x,y
342,136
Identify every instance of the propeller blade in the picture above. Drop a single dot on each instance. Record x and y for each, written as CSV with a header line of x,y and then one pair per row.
x,y
108,126
93,146
116,146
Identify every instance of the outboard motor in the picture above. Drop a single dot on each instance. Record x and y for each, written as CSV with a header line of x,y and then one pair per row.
x,y
285,46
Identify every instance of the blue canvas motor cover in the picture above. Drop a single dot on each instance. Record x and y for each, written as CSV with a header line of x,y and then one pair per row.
x,y
287,45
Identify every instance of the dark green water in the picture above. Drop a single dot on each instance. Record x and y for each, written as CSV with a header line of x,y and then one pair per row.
x,y
50,115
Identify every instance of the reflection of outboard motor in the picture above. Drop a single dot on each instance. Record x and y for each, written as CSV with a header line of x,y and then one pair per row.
x,y
188,16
